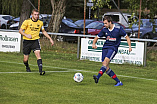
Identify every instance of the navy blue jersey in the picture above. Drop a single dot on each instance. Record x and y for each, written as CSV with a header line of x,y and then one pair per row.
x,y
113,37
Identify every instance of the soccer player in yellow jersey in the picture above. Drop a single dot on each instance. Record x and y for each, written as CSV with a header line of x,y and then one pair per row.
x,y
30,30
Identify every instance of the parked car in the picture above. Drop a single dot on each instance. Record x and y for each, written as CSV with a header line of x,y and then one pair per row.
x,y
65,27
13,21
14,26
146,30
68,27
80,23
4,20
117,17
95,27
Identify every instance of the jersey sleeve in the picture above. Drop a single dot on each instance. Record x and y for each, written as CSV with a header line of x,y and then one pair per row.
x,y
42,26
122,32
24,25
101,33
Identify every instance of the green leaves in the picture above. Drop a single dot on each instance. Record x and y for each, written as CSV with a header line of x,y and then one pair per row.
x,y
148,7
101,3
12,7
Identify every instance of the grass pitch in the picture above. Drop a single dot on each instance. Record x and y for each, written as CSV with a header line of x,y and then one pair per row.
x,y
58,87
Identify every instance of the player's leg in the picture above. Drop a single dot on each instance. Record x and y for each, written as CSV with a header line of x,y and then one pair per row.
x,y
25,61
110,72
36,49
104,67
105,62
26,52
113,76
39,61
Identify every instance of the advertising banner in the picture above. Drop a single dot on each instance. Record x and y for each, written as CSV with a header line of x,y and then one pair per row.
x,y
10,41
123,55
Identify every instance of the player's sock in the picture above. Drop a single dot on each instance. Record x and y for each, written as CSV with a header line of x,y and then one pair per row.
x,y
26,64
39,62
112,75
101,72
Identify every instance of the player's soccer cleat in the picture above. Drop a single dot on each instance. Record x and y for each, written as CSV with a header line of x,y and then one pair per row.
x,y
42,72
28,69
118,84
95,78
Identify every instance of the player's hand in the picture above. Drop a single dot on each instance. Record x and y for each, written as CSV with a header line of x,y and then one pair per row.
x,y
94,46
52,43
28,36
130,49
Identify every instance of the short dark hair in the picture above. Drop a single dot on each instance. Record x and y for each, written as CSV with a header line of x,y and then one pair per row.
x,y
108,18
35,10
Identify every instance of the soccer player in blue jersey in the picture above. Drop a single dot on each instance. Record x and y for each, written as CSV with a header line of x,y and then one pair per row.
x,y
113,36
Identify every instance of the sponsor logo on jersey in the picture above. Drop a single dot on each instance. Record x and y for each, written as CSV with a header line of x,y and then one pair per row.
x,y
112,39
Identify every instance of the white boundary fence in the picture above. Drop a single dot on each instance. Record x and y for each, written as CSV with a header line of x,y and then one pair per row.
x,y
88,36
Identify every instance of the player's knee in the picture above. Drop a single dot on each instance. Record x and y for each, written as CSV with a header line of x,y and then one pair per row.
x,y
25,60
104,63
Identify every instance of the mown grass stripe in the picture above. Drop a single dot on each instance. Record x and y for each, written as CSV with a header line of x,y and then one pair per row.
x,y
74,70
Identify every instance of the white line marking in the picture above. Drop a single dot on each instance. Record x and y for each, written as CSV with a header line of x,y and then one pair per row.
x,y
70,70
137,78
35,72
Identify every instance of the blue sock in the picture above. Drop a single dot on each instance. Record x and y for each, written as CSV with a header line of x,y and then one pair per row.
x,y
112,75
101,72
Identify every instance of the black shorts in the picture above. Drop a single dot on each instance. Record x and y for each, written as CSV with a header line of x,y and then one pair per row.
x,y
29,45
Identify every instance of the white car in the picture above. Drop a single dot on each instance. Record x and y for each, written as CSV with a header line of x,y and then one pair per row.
x,y
14,26
42,17
117,17
4,19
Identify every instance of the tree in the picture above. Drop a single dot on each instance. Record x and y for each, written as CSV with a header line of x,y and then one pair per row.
x,y
74,9
146,4
12,7
25,11
58,11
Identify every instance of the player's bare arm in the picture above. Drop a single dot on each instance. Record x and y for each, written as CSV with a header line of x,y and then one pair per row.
x,y
46,34
24,34
94,41
129,43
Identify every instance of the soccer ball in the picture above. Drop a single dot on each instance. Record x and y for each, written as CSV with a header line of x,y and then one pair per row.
x,y
78,77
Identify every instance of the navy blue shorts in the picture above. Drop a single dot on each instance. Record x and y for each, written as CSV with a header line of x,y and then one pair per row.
x,y
29,45
109,53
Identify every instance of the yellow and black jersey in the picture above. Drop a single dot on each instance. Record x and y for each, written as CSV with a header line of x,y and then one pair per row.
x,y
33,28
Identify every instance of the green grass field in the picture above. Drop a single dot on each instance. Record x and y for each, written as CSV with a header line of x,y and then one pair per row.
x,y
58,87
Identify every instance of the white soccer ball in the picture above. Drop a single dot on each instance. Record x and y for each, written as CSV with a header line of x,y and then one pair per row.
x,y
78,77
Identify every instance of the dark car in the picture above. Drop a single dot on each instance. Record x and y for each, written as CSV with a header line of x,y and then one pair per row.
x,y
80,23
146,30
95,27
65,27
68,27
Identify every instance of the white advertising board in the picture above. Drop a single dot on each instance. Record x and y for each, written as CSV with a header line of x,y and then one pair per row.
x,y
10,41
123,55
